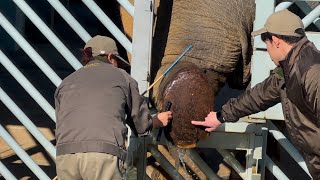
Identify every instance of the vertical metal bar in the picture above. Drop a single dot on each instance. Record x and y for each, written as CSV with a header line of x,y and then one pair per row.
x,y
142,158
165,164
6,173
127,6
23,155
45,30
263,10
233,162
37,59
8,102
286,144
249,157
202,165
23,81
105,20
67,16
264,152
142,41
274,169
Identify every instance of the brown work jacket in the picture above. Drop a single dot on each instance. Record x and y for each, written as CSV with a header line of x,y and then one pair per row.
x,y
93,106
296,84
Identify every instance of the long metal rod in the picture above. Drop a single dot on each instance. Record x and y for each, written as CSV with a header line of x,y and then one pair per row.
x,y
9,103
202,165
286,144
6,173
67,16
24,82
29,50
22,154
233,162
106,21
274,169
264,152
307,9
142,42
283,5
46,31
127,6
168,69
165,164
314,14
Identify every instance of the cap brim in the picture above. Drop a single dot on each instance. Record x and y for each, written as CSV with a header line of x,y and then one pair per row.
x,y
121,59
259,32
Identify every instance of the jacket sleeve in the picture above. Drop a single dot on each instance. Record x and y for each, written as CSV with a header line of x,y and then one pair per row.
x,y
312,87
138,116
259,98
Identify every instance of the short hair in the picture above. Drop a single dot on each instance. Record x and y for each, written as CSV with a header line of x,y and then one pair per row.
x,y
86,55
288,39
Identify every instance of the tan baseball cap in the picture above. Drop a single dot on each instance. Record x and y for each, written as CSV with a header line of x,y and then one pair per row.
x,y
104,45
282,22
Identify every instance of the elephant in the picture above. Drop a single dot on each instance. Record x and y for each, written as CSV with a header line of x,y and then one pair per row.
x,y
220,33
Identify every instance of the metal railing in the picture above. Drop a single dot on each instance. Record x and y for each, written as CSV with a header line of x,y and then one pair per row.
x,y
141,51
47,70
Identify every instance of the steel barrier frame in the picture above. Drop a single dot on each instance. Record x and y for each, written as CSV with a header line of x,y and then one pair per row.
x,y
40,62
252,134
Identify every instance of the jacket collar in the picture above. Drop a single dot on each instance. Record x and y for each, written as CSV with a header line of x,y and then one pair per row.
x,y
291,57
98,60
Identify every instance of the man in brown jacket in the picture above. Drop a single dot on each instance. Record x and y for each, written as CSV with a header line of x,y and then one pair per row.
x,y
93,106
295,83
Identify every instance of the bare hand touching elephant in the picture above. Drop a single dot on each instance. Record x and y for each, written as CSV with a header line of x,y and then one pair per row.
x,y
211,122
162,119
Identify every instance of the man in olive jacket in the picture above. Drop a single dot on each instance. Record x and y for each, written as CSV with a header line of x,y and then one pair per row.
x,y
93,106
295,83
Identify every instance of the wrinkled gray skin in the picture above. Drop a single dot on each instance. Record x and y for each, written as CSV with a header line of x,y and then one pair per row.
x,y
220,32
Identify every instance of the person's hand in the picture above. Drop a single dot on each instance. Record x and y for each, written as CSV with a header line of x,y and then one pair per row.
x,y
211,122
164,118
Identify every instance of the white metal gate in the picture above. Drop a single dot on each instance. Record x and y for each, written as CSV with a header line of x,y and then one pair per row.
x,y
141,51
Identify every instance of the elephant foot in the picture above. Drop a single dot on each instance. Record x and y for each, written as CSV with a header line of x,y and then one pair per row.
x,y
190,93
